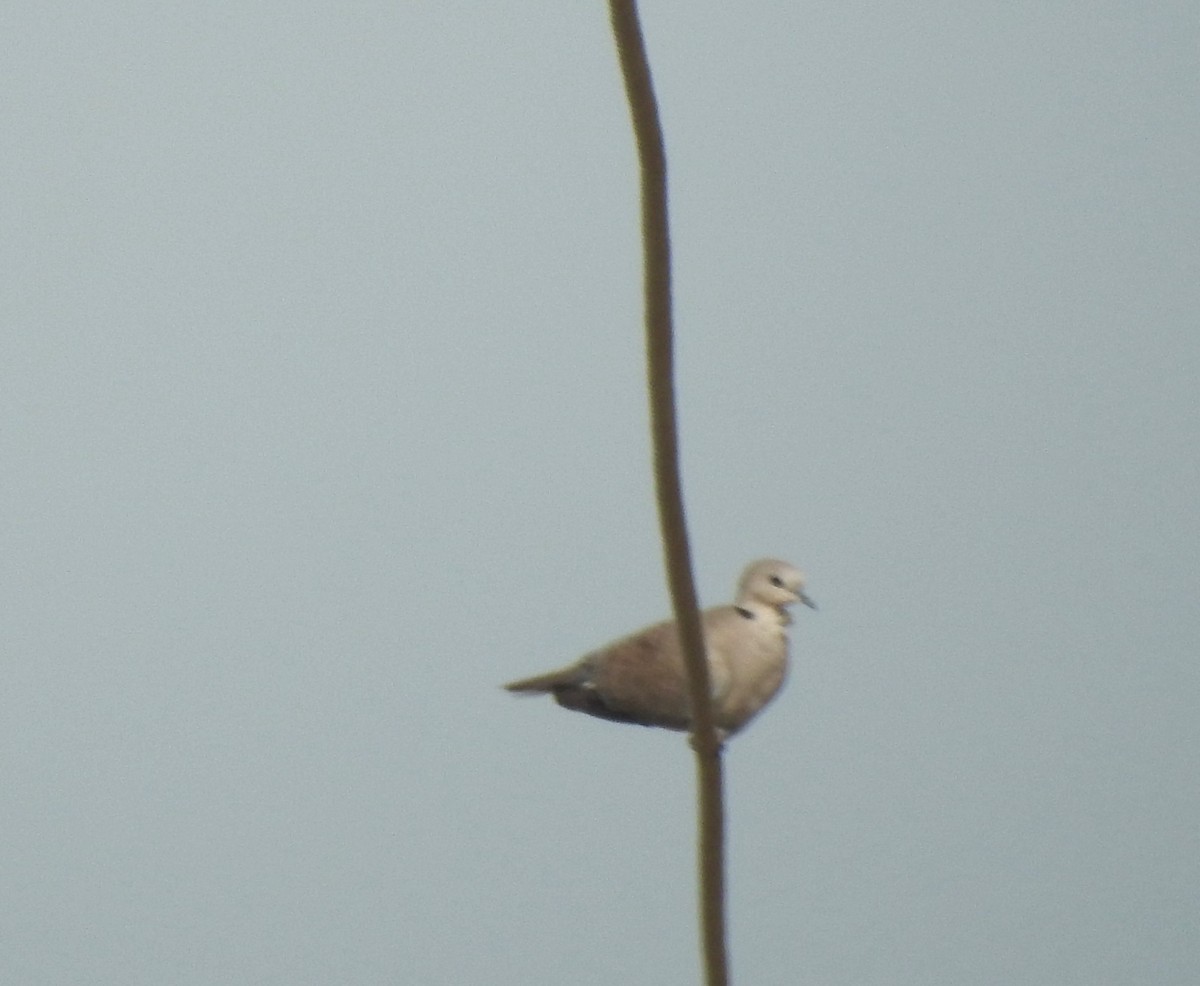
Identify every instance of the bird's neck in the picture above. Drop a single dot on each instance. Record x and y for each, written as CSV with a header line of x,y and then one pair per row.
x,y
752,609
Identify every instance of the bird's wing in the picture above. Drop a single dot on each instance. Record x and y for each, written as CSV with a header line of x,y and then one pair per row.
x,y
641,678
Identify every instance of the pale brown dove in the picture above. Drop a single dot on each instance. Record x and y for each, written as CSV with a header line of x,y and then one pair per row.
x,y
641,678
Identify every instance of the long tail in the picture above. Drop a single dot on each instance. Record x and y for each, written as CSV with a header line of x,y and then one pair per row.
x,y
543,683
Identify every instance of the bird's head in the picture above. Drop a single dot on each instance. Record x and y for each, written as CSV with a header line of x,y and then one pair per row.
x,y
774,583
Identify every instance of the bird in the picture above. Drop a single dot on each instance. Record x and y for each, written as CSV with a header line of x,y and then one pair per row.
x,y
641,678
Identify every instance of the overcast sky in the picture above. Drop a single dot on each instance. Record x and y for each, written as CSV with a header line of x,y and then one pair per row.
x,y
322,415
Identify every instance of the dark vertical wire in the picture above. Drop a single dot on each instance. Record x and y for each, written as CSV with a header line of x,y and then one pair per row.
x,y
643,108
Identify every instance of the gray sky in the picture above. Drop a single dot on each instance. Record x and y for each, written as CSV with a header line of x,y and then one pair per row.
x,y
321,380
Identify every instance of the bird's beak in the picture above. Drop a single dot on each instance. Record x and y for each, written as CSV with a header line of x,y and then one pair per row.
x,y
806,599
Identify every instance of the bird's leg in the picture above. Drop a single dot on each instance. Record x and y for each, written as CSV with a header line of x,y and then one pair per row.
x,y
721,736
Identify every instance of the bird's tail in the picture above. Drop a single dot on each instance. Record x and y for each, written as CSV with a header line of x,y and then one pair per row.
x,y
544,683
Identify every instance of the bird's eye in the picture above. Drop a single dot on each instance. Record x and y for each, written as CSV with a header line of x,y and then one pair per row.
x,y
777,581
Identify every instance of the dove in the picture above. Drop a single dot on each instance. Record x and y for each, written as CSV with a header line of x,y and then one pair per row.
x,y
641,678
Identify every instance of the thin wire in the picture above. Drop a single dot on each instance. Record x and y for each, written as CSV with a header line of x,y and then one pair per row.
x,y
656,245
